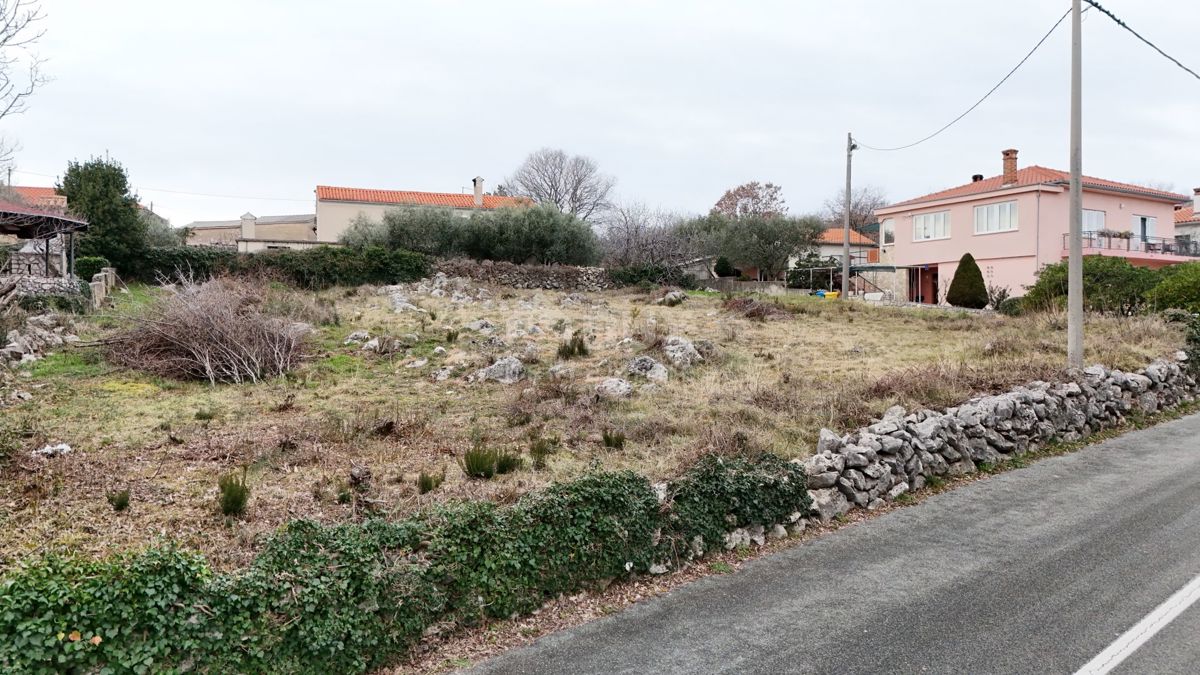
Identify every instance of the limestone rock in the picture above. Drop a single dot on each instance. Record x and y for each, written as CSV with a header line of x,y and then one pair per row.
x,y
647,367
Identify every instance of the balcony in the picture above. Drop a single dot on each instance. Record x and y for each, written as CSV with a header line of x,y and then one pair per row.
x,y
1151,251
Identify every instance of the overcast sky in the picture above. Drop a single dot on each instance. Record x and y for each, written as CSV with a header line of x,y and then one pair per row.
x,y
677,100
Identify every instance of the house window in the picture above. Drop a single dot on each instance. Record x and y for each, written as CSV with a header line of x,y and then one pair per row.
x,y
1000,217
1093,221
928,226
887,232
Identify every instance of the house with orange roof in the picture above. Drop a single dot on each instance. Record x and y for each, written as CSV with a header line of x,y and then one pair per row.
x,y
1017,222
338,207
1187,219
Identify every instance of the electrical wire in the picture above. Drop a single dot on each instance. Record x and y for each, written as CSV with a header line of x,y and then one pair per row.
x,y
1137,35
991,91
181,192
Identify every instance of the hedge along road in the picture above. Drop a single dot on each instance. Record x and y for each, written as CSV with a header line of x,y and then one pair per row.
x,y
1035,570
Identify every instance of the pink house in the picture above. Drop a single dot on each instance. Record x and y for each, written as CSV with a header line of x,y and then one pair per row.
x,y
1017,222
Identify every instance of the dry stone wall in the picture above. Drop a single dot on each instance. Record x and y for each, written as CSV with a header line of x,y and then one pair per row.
x,y
901,451
548,277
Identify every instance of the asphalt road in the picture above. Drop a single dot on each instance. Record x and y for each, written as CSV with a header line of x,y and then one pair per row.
x,y
1036,570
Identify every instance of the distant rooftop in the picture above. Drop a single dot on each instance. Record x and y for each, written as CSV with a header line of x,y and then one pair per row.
x,y
406,197
261,220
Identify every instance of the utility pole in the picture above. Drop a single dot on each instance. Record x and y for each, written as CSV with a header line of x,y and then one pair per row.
x,y
846,221
1075,254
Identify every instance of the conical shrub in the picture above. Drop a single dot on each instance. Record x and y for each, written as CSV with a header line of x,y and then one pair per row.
x,y
967,289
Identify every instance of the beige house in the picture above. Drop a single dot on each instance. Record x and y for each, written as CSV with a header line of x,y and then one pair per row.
x,y
289,231
338,207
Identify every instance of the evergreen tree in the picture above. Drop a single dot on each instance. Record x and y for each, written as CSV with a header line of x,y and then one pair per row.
x,y
967,288
98,191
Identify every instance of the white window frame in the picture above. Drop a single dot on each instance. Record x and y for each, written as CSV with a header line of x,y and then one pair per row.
x,y
1152,227
1103,221
998,217
887,229
918,225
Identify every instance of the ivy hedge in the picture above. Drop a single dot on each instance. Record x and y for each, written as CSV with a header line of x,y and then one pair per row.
x,y
317,268
353,597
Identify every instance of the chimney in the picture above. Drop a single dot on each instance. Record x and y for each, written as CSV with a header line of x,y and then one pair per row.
x,y
248,225
1196,203
976,178
477,181
1010,166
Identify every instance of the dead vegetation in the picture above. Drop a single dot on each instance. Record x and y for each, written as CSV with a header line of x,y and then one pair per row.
x,y
306,441
219,330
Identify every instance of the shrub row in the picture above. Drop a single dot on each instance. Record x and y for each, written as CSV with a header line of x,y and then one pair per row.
x,y
1112,284
649,274
320,267
351,597
535,234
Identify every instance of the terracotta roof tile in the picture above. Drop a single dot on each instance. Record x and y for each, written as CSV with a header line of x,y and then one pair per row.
x,y
833,235
1186,215
445,199
1040,175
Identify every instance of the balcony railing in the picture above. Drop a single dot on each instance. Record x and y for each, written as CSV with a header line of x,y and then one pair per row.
x,y
1180,246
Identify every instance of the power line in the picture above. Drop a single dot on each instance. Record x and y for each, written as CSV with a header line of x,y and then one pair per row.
x,y
980,101
181,192
1153,46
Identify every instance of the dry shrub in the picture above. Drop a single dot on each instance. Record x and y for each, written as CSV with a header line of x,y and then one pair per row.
x,y
651,332
755,309
217,330
301,306
547,398
372,423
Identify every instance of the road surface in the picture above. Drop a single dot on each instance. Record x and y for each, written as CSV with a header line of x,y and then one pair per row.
x,y
1037,570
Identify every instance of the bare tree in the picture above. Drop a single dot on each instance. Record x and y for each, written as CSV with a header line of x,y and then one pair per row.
x,y
762,200
863,203
20,68
573,183
638,235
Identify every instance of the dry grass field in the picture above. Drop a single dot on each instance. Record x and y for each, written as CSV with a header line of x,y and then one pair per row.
x,y
346,435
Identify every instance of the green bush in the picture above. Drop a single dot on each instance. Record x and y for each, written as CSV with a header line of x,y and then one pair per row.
x,y
654,275
613,439
1178,289
479,462
73,303
967,288
536,234
352,598
234,493
89,266
575,346
508,462
1011,306
763,491
118,499
428,482
314,268
1110,285
724,268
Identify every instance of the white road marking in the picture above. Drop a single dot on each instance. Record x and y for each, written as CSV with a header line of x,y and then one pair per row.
x,y
1145,629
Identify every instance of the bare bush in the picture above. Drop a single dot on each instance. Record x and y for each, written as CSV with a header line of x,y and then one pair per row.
x,y
638,235
755,309
217,330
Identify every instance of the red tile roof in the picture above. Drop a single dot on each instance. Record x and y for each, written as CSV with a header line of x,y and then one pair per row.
x,y
445,199
33,194
833,235
1186,215
1040,175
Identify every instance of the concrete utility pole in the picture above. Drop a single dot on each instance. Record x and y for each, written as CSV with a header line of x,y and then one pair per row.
x,y
846,221
1075,256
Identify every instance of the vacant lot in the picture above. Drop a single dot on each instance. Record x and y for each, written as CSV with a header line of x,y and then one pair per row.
x,y
346,435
